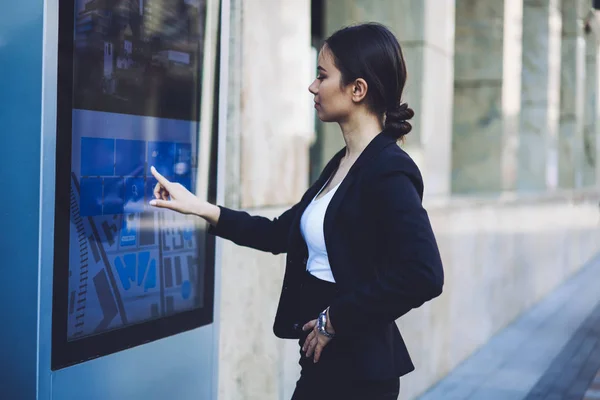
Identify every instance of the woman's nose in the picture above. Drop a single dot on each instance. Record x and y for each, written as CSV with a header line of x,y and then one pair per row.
x,y
312,87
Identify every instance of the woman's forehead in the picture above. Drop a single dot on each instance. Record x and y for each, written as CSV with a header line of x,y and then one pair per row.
x,y
325,58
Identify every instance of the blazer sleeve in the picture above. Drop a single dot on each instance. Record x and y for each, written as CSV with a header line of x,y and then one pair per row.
x,y
412,272
257,232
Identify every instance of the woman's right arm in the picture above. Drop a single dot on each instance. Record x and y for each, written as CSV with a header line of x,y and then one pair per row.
x,y
257,232
240,227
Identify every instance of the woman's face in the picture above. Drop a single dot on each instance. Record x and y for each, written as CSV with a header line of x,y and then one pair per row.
x,y
332,101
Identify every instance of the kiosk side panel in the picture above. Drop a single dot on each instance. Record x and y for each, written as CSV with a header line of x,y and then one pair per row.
x,y
20,110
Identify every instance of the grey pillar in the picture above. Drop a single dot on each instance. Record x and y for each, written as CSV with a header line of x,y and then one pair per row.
x,y
540,95
597,135
572,84
590,111
486,95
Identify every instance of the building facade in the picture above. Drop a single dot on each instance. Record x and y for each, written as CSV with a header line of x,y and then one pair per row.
x,y
506,134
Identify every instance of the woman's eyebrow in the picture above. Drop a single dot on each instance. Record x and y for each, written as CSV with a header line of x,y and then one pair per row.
x,y
319,68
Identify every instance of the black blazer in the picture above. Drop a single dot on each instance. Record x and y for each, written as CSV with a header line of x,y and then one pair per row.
x,y
381,248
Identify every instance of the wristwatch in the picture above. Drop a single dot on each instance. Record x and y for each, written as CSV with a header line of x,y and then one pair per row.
x,y
322,324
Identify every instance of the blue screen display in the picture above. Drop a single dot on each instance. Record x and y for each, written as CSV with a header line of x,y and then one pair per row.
x,y
136,101
99,156
130,156
112,192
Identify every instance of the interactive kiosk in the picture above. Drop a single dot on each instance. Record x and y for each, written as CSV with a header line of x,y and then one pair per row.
x,y
125,305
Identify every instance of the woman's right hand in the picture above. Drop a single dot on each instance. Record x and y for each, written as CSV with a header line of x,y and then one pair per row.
x,y
174,196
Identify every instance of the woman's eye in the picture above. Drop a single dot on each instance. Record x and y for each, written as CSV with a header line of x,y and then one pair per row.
x,y
320,77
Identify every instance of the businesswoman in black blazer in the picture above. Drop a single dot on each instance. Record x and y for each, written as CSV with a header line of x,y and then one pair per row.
x,y
360,249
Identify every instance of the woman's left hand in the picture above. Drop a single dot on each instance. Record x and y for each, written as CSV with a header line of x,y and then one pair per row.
x,y
315,342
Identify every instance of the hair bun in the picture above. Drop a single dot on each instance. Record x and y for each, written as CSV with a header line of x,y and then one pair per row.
x,y
396,119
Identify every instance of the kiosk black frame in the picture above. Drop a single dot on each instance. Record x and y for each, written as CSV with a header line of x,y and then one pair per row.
x,y
64,352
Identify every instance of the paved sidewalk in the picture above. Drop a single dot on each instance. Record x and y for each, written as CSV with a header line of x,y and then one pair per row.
x,y
575,367
593,392
552,352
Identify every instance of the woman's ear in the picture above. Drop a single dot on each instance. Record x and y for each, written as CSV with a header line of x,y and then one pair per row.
x,y
359,90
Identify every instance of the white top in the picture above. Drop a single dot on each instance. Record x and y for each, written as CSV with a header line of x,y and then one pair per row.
x,y
311,225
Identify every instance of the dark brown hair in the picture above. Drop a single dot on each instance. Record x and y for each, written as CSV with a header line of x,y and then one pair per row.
x,y
372,52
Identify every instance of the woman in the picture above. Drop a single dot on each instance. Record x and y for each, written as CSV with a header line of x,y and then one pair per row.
x,y
360,248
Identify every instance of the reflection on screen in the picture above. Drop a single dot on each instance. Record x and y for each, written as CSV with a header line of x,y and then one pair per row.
x,y
136,101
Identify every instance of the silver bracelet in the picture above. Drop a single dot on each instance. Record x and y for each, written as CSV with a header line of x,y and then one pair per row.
x,y
322,324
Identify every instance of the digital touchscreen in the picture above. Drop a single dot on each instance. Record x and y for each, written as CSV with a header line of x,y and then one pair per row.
x,y
136,101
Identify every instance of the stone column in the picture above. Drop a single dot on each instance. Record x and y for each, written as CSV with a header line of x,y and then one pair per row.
x,y
598,113
540,95
425,29
275,108
590,110
572,84
269,129
487,89
234,101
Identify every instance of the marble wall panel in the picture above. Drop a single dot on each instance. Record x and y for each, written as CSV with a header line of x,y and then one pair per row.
x,y
477,137
535,55
567,159
572,97
479,40
234,128
276,114
539,120
511,91
439,24
598,121
250,365
435,123
487,82
570,15
590,112
414,56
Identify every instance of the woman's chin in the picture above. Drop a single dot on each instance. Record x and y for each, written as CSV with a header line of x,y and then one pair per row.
x,y
324,118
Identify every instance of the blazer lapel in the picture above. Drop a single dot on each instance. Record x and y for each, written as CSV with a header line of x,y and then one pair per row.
x,y
376,145
296,240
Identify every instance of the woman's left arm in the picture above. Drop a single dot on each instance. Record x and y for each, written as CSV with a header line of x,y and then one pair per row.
x,y
413,273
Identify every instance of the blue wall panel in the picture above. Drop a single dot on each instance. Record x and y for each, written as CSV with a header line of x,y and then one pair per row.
x,y
21,44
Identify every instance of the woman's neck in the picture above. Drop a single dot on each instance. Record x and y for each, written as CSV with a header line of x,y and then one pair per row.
x,y
358,133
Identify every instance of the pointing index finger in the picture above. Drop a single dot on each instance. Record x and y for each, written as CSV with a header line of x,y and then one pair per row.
x,y
161,179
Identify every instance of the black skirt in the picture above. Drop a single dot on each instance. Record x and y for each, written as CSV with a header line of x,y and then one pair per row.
x,y
332,377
